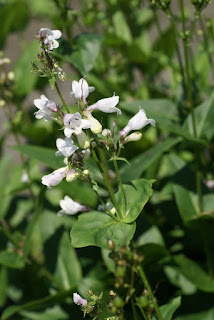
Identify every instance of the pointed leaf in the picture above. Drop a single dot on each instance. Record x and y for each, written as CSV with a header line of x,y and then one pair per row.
x,y
137,193
194,273
96,228
169,309
142,162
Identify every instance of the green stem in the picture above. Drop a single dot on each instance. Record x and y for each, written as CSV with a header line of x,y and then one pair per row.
x,y
149,289
134,310
61,97
107,183
142,312
190,102
121,187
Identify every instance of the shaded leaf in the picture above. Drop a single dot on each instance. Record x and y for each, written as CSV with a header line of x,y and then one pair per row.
x,y
11,259
169,309
25,80
44,155
142,162
194,273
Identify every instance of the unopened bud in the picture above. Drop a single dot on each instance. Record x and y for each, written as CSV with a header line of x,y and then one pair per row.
x,y
85,172
73,176
113,210
111,245
11,75
2,103
135,136
106,133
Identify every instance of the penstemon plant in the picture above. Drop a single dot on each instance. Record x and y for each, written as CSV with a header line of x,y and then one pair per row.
x,y
112,225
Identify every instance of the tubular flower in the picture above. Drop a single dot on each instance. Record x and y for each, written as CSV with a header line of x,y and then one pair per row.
x,y
137,122
70,207
81,89
54,178
106,105
50,37
66,147
96,126
74,124
79,300
45,106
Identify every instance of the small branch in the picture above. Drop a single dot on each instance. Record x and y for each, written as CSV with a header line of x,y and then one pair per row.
x,y
61,97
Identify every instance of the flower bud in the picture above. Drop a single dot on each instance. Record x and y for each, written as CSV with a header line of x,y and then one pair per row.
x,y
96,126
72,176
106,133
113,210
135,136
11,75
86,172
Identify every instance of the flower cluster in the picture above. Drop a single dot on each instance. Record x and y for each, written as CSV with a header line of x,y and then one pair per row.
x,y
82,131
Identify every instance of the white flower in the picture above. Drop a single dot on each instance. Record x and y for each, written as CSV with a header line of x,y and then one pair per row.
x,y
106,105
81,89
79,300
51,36
54,178
137,122
70,207
74,124
45,106
66,147
96,126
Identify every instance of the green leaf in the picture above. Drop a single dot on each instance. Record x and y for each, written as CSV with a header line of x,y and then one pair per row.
x,y
25,80
201,315
46,301
204,115
12,259
119,159
137,193
96,228
179,280
194,273
44,155
13,20
3,286
142,162
184,189
84,56
165,44
169,309
121,27
68,270
53,313
5,168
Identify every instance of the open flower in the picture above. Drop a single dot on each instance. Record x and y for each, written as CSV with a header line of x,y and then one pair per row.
x,y
74,124
81,89
45,106
79,300
137,122
66,147
50,37
70,207
106,105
